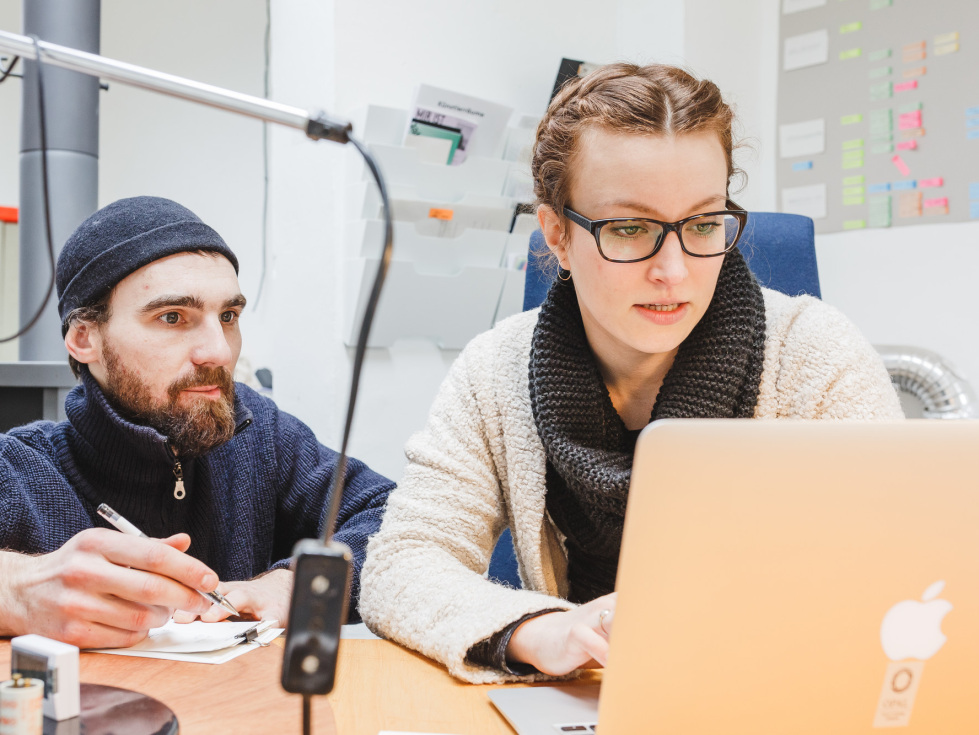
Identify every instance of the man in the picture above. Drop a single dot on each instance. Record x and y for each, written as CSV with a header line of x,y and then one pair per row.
x,y
221,481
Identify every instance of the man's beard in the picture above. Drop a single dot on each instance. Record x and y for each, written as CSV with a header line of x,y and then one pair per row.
x,y
192,430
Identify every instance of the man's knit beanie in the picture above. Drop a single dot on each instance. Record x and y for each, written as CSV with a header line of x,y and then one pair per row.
x,y
121,238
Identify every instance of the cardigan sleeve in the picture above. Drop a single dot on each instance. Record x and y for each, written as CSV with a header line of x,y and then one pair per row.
x,y
819,366
424,583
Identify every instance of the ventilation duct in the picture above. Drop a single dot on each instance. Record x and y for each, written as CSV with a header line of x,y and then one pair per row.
x,y
930,378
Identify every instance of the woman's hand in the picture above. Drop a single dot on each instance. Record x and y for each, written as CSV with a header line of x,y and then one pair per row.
x,y
558,643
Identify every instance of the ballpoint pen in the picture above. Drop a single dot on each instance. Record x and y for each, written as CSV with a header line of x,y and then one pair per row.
x,y
130,530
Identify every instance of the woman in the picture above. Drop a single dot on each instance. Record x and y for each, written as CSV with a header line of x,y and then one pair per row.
x,y
654,315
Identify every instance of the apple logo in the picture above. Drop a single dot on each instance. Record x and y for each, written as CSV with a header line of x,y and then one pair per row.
x,y
913,629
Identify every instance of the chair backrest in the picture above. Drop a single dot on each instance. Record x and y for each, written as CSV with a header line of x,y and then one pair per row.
x,y
779,248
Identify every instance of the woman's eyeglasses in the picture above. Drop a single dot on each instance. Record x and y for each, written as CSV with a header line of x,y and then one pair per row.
x,y
631,239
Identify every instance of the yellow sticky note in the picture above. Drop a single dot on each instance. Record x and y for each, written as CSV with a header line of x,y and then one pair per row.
x,y
852,53
851,27
851,119
854,224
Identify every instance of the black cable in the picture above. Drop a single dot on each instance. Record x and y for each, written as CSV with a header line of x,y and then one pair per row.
x,y
47,196
336,491
307,714
7,72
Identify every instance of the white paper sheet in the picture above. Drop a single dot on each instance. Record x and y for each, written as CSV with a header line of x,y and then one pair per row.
x,y
795,6
209,643
802,138
806,200
808,49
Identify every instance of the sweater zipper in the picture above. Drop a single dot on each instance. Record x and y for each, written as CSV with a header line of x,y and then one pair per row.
x,y
178,489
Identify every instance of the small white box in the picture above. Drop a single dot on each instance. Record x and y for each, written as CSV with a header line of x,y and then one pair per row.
x,y
54,663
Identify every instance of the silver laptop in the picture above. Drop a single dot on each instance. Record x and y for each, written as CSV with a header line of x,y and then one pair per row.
x,y
783,576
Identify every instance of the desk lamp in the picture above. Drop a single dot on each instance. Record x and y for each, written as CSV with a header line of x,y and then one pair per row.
x,y
321,566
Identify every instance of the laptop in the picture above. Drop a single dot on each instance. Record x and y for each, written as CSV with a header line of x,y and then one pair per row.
x,y
789,577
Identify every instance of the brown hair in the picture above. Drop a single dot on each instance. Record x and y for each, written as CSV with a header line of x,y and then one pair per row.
x,y
645,100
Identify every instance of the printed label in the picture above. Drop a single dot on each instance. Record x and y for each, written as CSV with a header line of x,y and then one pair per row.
x,y
901,681
445,214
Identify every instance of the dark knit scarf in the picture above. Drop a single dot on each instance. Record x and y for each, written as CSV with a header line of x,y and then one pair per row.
x,y
715,374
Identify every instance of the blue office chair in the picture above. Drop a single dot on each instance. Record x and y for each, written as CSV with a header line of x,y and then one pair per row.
x,y
780,250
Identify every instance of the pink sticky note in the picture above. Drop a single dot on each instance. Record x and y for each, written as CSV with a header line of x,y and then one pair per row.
x,y
931,183
907,145
909,121
905,86
913,115
943,202
901,165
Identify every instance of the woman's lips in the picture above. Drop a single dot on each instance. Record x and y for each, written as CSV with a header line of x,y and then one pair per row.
x,y
663,314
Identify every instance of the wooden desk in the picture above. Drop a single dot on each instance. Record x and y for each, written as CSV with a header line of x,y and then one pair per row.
x,y
380,686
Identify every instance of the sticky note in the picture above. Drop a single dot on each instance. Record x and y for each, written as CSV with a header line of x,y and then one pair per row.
x,y
854,224
852,201
906,86
907,145
918,71
974,210
852,155
949,48
807,49
851,119
914,115
880,72
946,38
882,148
972,134
444,214
802,165
912,133
880,91
910,107
974,190
853,180
879,188
908,124
972,110
901,165
903,185
850,145
880,212
879,54
939,202
880,4
853,191
852,53
853,27
931,183
972,122
913,46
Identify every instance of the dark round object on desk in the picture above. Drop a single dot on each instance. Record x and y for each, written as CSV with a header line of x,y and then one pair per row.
x,y
114,711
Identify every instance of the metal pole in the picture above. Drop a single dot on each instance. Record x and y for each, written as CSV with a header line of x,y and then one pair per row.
x,y
71,103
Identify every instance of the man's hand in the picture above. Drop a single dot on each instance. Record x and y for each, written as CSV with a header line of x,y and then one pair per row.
x,y
558,643
264,598
102,589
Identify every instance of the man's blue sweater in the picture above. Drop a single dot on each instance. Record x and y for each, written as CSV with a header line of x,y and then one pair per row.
x,y
247,502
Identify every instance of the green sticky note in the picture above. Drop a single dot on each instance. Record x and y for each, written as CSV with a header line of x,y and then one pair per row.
x,y
853,191
880,4
852,201
879,54
852,155
851,27
880,72
882,91
854,224
912,107
853,180
882,148
852,53
855,163
880,219
851,119
849,145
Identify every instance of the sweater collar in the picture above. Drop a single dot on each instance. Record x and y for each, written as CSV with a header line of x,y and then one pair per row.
x,y
106,438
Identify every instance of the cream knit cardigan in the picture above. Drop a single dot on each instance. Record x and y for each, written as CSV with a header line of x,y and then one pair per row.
x,y
478,466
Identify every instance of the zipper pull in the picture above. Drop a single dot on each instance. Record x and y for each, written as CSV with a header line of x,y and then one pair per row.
x,y
178,490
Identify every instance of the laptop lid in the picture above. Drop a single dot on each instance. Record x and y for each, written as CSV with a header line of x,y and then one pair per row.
x,y
782,576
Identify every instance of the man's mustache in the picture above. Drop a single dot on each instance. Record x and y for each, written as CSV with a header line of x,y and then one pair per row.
x,y
203,376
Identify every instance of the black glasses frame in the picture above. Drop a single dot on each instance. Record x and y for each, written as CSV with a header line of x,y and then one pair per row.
x,y
594,226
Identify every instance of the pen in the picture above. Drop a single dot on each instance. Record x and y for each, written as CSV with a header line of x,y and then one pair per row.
x,y
130,530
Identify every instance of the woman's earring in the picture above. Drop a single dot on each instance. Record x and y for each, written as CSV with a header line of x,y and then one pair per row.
x,y
561,271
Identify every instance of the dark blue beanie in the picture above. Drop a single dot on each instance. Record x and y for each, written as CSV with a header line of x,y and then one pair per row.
x,y
121,238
